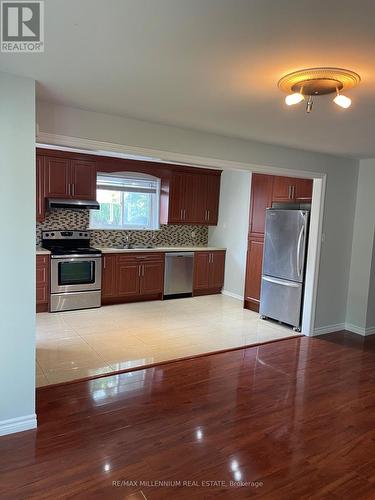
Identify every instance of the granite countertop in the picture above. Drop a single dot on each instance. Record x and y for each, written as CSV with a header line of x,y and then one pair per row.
x,y
42,251
159,249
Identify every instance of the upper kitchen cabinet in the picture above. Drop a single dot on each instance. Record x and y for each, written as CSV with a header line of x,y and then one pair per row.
x,y
290,189
56,177
69,178
193,198
303,190
83,180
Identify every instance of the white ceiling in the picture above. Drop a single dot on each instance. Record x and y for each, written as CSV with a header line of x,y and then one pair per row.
x,y
210,65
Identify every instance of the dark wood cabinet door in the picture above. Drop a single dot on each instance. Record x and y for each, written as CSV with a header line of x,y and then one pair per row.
x,y
176,198
196,199
260,199
109,268
40,203
217,269
253,274
57,179
152,278
303,190
283,190
128,278
42,282
201,270
83,180
212,199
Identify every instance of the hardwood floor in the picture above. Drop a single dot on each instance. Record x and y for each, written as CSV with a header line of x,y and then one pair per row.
x,y
295,417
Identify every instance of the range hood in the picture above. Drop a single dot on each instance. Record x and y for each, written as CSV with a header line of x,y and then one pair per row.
x,y
72,204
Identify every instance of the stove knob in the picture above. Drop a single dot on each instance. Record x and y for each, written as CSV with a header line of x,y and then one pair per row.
x,y
47,235
80,234
52,234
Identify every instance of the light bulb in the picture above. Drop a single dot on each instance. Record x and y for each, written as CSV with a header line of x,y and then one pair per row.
x,y
342,100
294,98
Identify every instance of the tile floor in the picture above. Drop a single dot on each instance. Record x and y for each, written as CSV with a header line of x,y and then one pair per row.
x,y
78,344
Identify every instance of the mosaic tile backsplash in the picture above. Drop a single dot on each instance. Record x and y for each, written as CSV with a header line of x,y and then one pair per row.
x,y
168,235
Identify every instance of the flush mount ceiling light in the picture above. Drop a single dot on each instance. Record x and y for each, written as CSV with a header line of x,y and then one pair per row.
x,y
311,82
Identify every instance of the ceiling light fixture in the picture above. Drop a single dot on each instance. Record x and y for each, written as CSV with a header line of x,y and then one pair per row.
x,y
313,82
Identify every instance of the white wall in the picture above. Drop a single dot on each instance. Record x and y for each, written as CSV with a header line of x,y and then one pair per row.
x,y
233,225
361,294
17,253
340,192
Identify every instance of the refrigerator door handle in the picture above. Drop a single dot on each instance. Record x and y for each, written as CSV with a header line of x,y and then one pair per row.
x,y
299,248
281,282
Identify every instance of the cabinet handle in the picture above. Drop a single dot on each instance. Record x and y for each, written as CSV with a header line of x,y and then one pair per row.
x,y
294,192
184,213
208,215
143,270
104,263
139,271
68,189
181,214
73,189
290,192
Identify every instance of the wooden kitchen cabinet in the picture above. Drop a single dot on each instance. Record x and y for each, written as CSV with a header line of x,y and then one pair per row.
x,y
303,190
194,198
152,278
132,276
66,178
42,282
292,190
56,177
83,180
212,198
177,199
209,268
128,277
188,195
253,273
260,200
109,275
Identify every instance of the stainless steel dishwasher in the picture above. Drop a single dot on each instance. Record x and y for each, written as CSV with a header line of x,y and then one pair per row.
x,y
178,278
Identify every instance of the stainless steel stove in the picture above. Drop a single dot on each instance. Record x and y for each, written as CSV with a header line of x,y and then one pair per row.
x,y
76,270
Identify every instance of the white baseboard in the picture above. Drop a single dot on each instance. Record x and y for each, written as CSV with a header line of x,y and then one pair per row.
x,y
233,295
329,329
360,330
18,424
345,326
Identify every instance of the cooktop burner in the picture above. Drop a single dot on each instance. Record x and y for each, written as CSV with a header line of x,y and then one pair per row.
x,y
68,243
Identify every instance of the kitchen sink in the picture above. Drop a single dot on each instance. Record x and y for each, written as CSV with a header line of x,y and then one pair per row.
x,y
132,247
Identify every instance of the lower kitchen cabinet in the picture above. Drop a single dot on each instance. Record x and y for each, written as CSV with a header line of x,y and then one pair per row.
x,y
109,276
131,277
209,268
42,283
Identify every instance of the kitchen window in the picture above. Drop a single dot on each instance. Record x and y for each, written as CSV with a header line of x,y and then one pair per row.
x,y
128,201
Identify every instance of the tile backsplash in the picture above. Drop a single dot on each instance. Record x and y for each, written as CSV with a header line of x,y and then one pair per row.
x,y
168,235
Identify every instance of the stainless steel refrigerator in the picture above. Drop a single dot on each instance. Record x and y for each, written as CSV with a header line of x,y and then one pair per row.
x,y
285,248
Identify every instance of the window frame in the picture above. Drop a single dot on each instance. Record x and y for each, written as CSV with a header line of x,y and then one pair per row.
x,y
154,208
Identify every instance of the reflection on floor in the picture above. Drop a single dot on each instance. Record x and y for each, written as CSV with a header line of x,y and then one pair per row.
x,y
79,344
